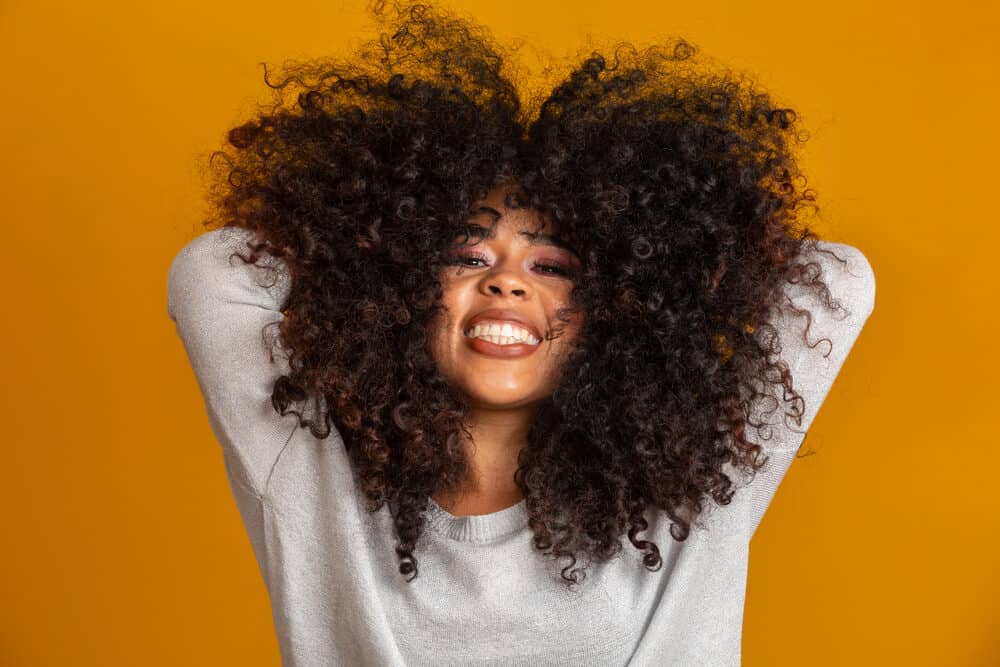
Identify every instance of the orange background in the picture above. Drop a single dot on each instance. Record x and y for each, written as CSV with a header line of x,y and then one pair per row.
x,y
121,543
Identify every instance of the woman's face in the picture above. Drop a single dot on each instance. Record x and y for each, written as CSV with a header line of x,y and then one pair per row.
x,y
509,284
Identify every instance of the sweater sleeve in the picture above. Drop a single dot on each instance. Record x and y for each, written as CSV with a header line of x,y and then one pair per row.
x,y
813,369
221,306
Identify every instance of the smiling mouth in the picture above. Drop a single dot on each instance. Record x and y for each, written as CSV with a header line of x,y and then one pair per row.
x,y
504,335
508,351
507,343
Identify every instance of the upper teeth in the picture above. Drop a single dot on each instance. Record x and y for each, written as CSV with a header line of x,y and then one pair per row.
x,y
502,334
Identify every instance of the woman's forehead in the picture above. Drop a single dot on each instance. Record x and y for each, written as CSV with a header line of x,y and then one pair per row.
x,y
505,205
512,220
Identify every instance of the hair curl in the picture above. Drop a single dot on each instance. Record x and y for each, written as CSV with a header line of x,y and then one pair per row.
x,y
676,185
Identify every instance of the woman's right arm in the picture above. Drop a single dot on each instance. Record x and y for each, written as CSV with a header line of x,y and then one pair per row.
x,y
220,312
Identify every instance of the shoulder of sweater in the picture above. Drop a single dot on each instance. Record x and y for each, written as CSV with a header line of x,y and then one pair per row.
x,y
213,249
207,268
210,243
852,281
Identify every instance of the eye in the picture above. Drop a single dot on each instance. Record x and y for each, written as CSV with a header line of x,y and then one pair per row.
x,y
553,269
545,268
462,259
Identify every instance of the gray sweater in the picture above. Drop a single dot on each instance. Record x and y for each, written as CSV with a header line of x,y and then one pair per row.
x,y
484,595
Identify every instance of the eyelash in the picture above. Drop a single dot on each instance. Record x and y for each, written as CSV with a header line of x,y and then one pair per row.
x,y
559,269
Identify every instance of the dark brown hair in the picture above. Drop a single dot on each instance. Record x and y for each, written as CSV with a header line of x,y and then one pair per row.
x,y
675,184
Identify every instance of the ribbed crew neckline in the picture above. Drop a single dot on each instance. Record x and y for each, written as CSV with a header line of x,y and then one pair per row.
x,y
478,528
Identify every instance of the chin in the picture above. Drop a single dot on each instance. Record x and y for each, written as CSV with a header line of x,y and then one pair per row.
x,y
486,398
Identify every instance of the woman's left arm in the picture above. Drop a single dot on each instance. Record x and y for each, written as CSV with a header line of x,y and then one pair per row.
x,y
814,368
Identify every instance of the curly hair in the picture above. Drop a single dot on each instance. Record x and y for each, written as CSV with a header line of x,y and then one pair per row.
x,y
676,185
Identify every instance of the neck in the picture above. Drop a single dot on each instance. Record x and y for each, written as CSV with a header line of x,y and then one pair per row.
x,y
498,436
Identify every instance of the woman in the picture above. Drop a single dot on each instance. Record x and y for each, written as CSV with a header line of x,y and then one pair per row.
x,y
443,337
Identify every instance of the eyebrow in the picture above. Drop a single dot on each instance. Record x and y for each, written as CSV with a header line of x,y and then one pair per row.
x,y
534,238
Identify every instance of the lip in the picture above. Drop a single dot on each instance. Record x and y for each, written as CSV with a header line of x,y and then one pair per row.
x,y
503,315
515,351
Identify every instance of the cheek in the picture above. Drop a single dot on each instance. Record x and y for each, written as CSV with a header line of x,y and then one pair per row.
x,y
450,289
562,318
569,340
441,335
438,328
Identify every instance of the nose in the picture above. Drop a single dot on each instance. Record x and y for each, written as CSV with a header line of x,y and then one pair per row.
x,y
505,281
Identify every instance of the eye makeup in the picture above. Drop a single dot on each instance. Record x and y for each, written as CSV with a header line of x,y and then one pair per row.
x,y
545,266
